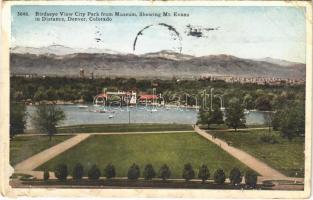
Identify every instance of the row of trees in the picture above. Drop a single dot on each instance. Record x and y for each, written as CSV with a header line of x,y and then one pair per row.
x,y
288,104
289,119
94,173
68,89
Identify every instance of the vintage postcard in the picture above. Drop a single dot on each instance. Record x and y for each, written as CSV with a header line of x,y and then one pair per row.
x,y
156,99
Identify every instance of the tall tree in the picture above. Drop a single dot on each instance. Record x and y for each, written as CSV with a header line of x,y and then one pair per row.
x,y
46,118
164,172
293,122
251,178
188,172
133,172
203,116
235,176
248,102
219,176
235,116
149,172
204,173
78,171
17,118
215,116
263,103
210,117
40,94
277,118
109,171
51,94
279,101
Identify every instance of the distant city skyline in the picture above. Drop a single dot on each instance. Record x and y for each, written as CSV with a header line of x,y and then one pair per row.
x,y
246,32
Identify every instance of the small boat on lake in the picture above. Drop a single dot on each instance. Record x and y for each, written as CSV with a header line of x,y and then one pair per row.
x,y
101,111
82,106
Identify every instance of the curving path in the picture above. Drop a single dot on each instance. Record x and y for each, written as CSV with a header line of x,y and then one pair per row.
x,y
27,166
267,173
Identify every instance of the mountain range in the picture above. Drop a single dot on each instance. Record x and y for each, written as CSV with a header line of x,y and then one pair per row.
x,y
58,50
65,61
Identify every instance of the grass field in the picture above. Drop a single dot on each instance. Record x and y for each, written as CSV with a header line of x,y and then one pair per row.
x,y
285,156
23,147
173,149
92,128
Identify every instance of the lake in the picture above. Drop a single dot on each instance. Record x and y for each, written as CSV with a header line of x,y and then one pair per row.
x,y
140,114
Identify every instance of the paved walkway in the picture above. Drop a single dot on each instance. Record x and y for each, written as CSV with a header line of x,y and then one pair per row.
x,y
253,163
27,166
42,157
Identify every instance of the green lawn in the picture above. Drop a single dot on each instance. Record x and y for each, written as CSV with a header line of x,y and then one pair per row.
x,y
285,156
173,149
92,128
23,147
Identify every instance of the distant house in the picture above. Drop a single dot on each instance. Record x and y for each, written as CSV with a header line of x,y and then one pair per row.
x,y
147,98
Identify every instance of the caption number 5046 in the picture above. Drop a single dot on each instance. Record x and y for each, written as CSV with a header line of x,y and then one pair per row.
x,y
22,14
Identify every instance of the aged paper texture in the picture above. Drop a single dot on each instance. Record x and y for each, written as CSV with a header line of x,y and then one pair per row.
x,y
192,99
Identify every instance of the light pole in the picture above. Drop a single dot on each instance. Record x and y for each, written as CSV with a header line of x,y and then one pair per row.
x,y
153,94
163,100
186,103
127,107
153,100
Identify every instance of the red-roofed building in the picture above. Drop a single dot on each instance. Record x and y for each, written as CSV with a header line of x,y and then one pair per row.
x,y
126,97
147,98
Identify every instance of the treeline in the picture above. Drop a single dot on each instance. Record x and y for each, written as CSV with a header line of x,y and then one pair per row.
x,y
253,96
78,172
288,118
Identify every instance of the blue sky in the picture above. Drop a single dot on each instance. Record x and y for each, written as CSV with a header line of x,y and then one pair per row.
x,y
248,32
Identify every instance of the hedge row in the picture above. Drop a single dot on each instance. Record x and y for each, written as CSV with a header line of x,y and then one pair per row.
x,y
94,173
